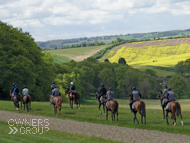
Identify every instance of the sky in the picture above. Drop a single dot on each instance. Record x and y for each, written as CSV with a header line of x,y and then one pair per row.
x,y
66,19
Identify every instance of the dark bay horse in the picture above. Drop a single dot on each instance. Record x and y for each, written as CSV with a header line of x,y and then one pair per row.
x,y
27,102
141,109
112,106
159,95
16,100
174,108
57,102
97,95
73,96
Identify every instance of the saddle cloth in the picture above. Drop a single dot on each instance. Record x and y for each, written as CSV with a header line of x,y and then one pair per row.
x,y
101,98
133,105
163,101
167,106
73,92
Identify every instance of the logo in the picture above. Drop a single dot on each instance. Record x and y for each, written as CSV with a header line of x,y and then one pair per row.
x,y
37,126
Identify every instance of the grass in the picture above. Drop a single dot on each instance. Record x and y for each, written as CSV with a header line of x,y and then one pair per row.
x,y
89,113
65,55
47,136
159,72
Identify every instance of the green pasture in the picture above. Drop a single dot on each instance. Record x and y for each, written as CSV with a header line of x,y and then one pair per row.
x,y
47,136
65,55
89,113
159,72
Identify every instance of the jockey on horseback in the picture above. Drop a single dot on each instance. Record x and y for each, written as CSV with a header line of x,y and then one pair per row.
x,y
165,93
109,95
25,91
72,88
170,97
55,92
102,91
134,97
16,90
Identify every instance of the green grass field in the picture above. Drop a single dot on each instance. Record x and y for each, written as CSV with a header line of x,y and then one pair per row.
x,y
47,136
159,72
65,55
89,113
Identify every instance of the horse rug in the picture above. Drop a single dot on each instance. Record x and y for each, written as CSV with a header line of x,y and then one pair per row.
x,y
167,106
133,105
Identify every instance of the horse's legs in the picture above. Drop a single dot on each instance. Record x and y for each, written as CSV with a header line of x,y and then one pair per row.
x,y
104,108
167,117
60,109
72,103
27,107
24,107
114,117
30,106
117,115
141,118
21,104
106,114
163,112
55,109
99,108
79,103
135,117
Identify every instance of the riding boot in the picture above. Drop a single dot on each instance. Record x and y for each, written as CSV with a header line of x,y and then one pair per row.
x,y
131,107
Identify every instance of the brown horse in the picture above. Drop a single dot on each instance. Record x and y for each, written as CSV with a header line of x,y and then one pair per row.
x,y
27,102
112,106
159,95
96,96
74,96
174,108
140,108
16,100
57,102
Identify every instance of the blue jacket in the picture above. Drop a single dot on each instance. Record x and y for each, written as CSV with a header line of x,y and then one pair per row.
x,y
16,91
103,91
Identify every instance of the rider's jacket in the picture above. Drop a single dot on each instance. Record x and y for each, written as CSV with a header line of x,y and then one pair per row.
x,y
103,91
25,91
16,91
165,93
55,92
110,95
171,96
72,87
135,95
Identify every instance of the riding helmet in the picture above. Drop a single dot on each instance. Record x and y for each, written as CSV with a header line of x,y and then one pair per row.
x,y
110,88
169,88
24,86
165,86
53,82
102,84
13,84
134,88
72,83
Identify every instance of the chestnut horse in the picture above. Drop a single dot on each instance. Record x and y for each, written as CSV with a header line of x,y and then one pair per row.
x,y
57,102
112,106
97,95
16,100
159,95
27,102
140,108
74,96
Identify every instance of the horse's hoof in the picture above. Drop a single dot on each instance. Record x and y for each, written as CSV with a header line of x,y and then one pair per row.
x,y
79,107
174,124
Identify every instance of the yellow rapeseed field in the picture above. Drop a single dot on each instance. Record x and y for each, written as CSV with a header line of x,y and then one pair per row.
x,y
155,55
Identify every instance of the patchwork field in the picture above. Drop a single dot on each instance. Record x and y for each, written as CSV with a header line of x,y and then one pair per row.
x,y
154,53
77,54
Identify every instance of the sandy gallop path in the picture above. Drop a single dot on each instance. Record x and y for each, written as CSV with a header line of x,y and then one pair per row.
x,y
114,133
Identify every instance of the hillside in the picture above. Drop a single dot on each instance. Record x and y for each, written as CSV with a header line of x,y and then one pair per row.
x,y
110,38
155,53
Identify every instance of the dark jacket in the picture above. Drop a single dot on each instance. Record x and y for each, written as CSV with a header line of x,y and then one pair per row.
x,y
135,95
171,96
103,91
72,87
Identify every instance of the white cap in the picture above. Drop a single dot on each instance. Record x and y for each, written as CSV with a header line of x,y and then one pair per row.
x,y
72,83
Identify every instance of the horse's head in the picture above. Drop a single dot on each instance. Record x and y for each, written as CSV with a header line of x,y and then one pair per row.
x,y
159,95
66,91
96,94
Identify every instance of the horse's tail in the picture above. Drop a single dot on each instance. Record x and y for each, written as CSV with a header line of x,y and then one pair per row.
x,y
27,99
177,109
115,107
143,112
59,102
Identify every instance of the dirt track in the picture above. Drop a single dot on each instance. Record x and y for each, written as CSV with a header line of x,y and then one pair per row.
x,y
114,133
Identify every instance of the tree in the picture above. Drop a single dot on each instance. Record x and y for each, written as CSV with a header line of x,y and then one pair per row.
x,y
106,60
178,85
122,61
151,72
180,68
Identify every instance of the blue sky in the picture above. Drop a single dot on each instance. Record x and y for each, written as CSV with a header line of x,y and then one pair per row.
x,y
65,19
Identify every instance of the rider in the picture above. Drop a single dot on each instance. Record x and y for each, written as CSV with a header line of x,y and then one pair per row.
x,y
25,91
102,91
53,83
109,95
134,97
16,90
12,89
55,92
170,97
165,93
72,88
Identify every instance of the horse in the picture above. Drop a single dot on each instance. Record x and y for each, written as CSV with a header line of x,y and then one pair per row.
x,y
112,106
57,102
96,96
27,101
159,95
16,100
174,108
140,108
74,96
